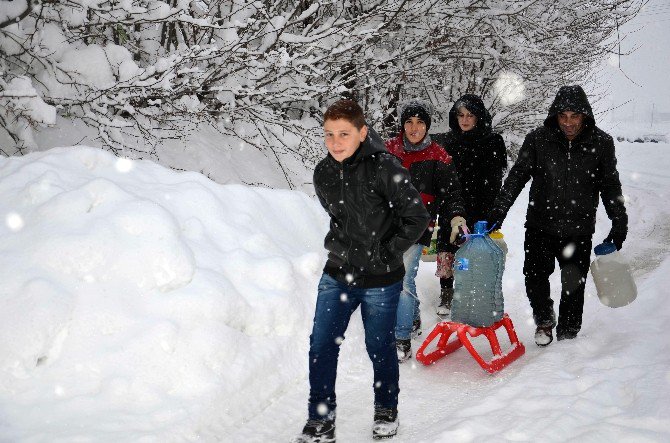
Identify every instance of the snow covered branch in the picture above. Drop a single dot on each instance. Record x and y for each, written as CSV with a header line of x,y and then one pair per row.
x,y
147,70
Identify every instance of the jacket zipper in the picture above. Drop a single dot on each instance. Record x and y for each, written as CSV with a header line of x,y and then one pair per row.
x,y
569,148
344,208
567,173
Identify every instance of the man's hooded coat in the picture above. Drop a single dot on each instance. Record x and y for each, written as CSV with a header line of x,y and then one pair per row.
x,y
567,176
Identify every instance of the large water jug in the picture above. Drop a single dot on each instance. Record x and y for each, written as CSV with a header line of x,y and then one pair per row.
x,y
612,276
478,269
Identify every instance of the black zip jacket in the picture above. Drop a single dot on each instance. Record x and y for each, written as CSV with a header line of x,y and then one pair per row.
x,y
567,176
480,164
375,215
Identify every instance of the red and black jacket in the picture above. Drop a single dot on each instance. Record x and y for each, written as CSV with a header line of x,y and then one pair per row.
x,y
434,176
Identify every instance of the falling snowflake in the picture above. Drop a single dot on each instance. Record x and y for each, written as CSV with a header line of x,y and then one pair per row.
x,y
124,165
14,221
322,409
569,250
510,88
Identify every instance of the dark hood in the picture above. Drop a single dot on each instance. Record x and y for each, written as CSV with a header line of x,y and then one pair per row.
x,y
474,104
570,98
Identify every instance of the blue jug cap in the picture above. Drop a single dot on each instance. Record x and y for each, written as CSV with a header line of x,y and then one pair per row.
x,y
604,248
480,227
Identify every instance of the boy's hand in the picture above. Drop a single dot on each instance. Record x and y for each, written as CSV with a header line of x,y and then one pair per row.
x,y
458,229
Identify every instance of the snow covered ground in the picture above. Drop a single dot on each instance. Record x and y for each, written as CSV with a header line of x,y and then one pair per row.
x,y
143,304
140,302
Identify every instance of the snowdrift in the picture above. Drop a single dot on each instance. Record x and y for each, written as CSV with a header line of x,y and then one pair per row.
x,y
136,300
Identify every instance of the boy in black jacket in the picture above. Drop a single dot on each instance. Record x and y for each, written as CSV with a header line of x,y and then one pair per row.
x,y
375,216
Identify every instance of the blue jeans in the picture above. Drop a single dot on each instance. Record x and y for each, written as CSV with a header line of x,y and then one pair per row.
x,y
335,304
408,306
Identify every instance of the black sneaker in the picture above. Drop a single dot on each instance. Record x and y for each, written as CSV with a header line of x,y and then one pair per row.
x,y
404,350
416,328
543,335
317,431
386,423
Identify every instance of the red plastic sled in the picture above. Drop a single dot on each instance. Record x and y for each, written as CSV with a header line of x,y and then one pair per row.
x,y
446,328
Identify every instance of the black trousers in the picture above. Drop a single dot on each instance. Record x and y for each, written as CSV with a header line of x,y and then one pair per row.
x,y
573,255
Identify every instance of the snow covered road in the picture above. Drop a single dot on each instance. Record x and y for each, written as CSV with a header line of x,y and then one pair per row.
x,y
142,304
610,384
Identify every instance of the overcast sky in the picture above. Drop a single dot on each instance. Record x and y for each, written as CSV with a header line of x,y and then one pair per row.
x,y
641,77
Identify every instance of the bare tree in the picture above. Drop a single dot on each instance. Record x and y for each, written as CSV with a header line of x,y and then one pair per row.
x,y
513,53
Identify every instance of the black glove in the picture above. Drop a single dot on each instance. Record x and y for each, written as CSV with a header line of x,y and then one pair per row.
x,y
616,237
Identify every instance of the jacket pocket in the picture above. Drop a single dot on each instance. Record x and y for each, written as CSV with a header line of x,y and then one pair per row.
x,y
334,247
383,260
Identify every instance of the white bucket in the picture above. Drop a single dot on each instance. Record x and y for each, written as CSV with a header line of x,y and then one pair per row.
x,y
612,276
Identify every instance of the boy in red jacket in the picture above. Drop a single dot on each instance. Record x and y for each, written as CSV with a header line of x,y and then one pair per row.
x,y
434,176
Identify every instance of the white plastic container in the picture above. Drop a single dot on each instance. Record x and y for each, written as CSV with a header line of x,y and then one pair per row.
x,y
612,276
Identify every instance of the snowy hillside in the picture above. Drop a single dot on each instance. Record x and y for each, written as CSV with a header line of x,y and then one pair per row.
x,y
142,304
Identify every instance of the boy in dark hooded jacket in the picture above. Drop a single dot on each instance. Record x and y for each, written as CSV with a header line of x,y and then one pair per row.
x,y
571,162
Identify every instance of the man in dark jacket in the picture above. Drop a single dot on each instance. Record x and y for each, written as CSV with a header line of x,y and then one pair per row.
x,y
571,162
375,216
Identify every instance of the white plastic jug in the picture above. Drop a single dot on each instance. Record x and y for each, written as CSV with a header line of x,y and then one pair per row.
x,y
612,276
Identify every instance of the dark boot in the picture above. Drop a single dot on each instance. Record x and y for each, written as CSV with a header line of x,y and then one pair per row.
x,y
446,296
566,335
386,423
317,431
404,349
416,327
544,335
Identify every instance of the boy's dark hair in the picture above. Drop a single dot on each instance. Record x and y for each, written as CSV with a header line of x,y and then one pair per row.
x,y
348,110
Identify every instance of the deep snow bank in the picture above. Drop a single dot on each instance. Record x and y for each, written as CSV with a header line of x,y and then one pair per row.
x,y
137,301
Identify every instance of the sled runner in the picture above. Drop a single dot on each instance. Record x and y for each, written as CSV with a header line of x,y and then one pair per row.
x,y
445,329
